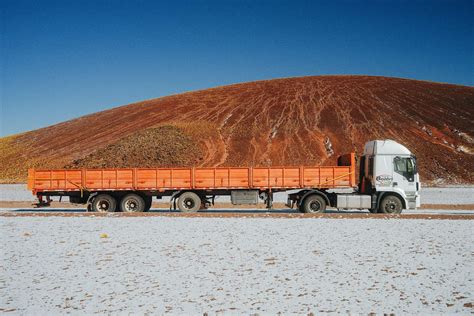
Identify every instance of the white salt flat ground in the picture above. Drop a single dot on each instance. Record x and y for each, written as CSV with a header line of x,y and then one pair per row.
x,y
236,265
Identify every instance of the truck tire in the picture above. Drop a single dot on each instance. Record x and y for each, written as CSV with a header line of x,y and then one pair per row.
x,y
189,202
104,203
391,204
148,202
314,204
132,203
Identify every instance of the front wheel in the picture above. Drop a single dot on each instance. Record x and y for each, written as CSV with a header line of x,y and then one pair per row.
x,y
314,204
391,205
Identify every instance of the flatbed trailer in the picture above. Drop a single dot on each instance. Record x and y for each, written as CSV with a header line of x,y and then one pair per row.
x,y
195,188
79,184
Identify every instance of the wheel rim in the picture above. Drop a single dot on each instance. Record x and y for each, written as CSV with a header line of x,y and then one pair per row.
x,y
314,206
131,205
103,206
189,203
391,206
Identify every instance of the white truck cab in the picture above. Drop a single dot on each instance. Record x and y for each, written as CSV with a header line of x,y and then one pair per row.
x,y
388,172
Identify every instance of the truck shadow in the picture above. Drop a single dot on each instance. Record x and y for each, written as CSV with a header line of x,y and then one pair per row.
x,y
261,211
211,211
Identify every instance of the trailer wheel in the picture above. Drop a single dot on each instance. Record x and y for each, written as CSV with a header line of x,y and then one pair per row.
x,y
132,203
189,202
391,205
104,203
314,204
148,202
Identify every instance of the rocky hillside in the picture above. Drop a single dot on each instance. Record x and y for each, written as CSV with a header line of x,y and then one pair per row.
x,y
294,121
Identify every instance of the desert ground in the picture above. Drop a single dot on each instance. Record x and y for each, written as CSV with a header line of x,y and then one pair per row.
x,y
238,261
236,265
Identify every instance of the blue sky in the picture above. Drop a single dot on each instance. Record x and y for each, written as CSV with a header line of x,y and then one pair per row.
x,y
64,59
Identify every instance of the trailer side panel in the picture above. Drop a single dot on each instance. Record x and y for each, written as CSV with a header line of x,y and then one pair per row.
x,y
161,179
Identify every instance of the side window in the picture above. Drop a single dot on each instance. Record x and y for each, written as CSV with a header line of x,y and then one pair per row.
x,y
400,165
371,166
405,167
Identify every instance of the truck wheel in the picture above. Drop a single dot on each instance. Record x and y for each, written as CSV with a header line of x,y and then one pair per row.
x,y
148,202
314,204
189,202
104,203
132,203
391,205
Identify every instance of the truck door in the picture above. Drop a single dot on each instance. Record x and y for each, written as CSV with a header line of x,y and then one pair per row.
x,y
404,174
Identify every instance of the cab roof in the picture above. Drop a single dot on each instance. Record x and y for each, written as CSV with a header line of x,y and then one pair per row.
x,y
385,147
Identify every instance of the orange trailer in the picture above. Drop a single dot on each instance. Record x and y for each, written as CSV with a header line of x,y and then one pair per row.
x,y
131,189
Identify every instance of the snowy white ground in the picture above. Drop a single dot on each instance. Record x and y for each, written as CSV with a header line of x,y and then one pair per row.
x,y
236,265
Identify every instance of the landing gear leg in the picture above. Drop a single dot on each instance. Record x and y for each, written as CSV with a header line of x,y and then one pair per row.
x,y
269,200
41,202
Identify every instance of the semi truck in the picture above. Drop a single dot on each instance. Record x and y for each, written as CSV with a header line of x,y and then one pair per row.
x,y
388,182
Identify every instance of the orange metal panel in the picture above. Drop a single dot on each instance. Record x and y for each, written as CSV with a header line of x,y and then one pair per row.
x,y
311,177
31,179
291,177
238,177
326,176
109,179
276,177
204,177
58,181
145,178
124,179
164,178
94,179
260,177
73,179
181,178
222,178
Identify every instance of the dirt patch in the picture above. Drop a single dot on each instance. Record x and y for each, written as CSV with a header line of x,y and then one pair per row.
x,y
15,159
154,147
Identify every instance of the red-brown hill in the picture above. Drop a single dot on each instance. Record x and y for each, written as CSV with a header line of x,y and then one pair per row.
x,y
294,121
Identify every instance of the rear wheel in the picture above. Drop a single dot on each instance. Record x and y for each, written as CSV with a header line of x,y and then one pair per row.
x,y
104,203
391,205
132,203
314,204
189,202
